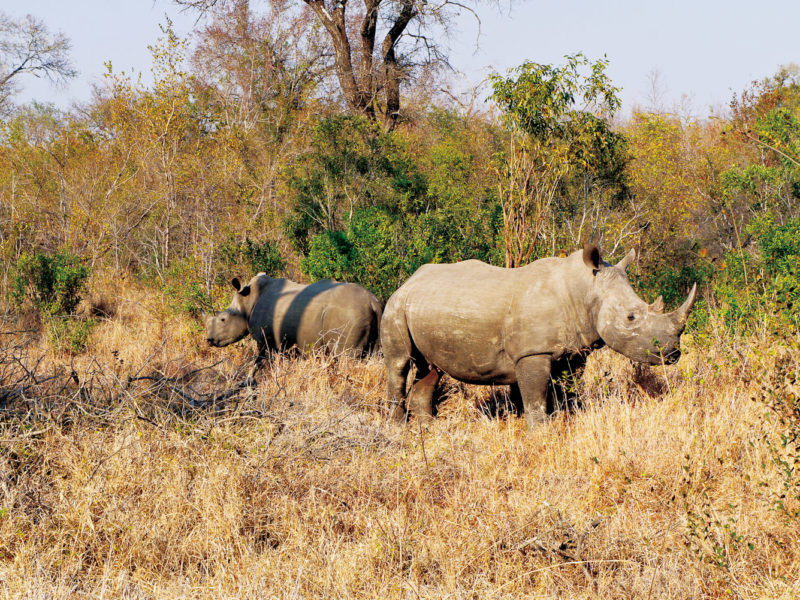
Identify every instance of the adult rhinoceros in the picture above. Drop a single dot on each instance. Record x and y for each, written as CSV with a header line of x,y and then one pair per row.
x,y
484,324
281,314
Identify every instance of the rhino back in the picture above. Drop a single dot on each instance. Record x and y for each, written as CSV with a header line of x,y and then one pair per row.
x,y
350,317
289,314
283,310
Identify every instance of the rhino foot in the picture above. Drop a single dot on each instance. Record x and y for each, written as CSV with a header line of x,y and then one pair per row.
x,y
399,414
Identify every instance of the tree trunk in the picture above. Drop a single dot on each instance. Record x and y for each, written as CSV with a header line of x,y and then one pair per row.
x,y
392,71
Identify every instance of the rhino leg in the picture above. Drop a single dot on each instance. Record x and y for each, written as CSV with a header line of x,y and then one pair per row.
x,y
397,348
420,396
533,378
259,362
396,372
565,376
515,397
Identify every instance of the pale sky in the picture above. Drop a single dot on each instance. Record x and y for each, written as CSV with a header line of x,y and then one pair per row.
x,y
704,51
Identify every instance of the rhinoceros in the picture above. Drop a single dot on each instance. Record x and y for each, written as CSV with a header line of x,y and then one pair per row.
x,y
489,325
281,314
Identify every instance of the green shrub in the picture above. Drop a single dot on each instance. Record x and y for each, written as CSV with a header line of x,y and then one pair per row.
x,y
69,335
51,283
185,291
372,252
761,285
380,250
249,257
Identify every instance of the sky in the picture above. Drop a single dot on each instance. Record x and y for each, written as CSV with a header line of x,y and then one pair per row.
x,y
702,52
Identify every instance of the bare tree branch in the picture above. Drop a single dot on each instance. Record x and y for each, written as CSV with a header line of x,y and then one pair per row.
x,y
27,46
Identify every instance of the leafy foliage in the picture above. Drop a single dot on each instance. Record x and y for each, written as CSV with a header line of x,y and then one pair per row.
x,y
51,283
563,155
379,250
250,257
185,291
53,286
754,287
351,163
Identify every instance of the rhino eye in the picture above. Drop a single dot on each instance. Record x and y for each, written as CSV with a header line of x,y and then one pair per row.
x,y
631,317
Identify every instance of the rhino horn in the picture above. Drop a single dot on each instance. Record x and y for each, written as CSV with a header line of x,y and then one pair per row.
x,y
681,314
626,262
657,306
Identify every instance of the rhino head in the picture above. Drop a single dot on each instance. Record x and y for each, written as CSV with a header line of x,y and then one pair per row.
x,y
231,325
625,322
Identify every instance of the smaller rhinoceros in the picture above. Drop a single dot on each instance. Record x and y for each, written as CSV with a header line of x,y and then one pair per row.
x,y
521,327
281,314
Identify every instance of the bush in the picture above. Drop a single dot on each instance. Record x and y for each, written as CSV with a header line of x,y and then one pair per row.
x,y
372,252
52,284
250,257
69,335
380,250
762,284
185,290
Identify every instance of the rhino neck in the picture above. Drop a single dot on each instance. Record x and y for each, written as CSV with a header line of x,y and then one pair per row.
x,y
553,309
257,285
582,304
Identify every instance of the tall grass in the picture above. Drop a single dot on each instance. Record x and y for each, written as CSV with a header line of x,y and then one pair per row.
x,y
141,469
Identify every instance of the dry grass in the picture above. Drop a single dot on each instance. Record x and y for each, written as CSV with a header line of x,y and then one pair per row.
x,y
114,485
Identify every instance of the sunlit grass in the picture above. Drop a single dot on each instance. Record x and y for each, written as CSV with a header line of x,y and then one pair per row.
x,y
129,480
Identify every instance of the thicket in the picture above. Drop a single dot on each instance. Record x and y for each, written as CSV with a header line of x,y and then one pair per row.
x,y
203,176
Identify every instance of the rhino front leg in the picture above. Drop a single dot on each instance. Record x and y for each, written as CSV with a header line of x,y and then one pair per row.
x,y
259,362
533,377
515,397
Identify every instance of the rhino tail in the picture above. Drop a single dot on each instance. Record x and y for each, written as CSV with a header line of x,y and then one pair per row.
x,y
376,314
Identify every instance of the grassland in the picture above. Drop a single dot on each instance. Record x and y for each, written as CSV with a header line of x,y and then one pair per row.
x,y
139,470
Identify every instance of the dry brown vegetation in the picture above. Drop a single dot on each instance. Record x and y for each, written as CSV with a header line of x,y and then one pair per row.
x,y
141,470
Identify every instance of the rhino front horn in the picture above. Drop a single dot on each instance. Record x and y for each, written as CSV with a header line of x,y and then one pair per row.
x,y
681,314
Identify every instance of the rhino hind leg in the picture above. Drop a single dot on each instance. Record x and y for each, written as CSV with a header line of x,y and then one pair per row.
x,y
533,379
396,373
421,395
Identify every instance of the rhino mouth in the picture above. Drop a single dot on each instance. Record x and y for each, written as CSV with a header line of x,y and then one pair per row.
x,y
672,357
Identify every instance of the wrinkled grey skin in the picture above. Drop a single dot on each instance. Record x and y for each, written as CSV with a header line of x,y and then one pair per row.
x,y
488,325
281,314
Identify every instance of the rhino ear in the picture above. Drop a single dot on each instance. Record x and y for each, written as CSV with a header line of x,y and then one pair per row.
x,y
245,291
236,284
626,262
591,257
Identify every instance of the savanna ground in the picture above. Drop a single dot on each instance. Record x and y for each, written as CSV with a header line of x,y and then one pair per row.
x,y
140,469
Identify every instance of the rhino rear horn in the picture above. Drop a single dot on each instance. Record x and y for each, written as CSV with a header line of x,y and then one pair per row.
x,y
626,262
657,306
681,314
